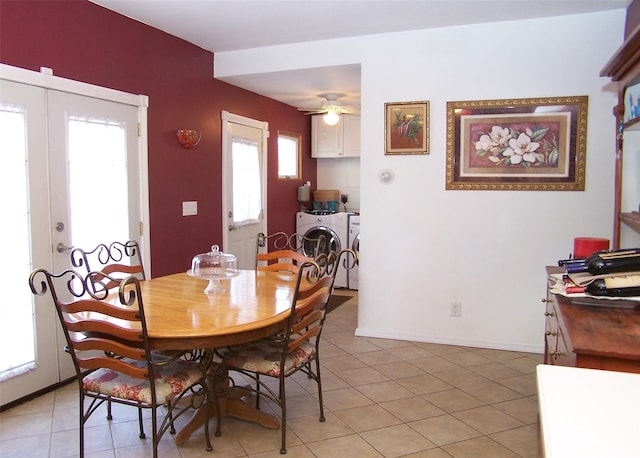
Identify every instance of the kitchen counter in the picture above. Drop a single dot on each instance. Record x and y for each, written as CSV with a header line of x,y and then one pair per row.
x,y
588,413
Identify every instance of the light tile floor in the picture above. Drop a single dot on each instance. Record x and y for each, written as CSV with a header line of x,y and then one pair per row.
x,y
382,398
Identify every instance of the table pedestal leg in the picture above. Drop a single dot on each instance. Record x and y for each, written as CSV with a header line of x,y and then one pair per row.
x,y
231,404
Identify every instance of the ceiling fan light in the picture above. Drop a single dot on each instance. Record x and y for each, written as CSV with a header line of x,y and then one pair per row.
x,y
331,118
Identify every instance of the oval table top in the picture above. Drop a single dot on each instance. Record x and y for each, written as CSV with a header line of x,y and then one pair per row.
x,y
180,315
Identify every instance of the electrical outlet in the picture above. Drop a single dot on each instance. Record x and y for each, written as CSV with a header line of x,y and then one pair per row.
x,y
456,309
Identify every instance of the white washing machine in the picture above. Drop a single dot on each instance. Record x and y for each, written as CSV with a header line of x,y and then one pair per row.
x,y
334,227
354,244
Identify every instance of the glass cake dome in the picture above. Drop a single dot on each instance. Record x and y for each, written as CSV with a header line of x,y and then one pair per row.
x,y
214,266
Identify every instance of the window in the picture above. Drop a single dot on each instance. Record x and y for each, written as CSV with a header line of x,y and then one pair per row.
x,y
247,186
16,323
94,141
289,156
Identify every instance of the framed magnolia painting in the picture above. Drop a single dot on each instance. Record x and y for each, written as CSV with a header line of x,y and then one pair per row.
x,y
517,144
406,128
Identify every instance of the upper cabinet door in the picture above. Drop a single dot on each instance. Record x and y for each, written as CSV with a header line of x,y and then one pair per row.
x,y
341,140
351,135
326,141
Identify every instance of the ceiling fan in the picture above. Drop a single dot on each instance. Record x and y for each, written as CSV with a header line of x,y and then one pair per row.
x,y
331,108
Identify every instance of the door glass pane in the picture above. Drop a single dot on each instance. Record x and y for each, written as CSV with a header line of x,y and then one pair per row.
x,y
98,187
16,314
247,195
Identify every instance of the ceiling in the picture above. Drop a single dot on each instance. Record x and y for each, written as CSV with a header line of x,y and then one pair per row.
x,y
231,25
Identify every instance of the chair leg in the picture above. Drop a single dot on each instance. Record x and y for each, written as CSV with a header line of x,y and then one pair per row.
x,y
258,391
172,428
82,420
142,435
283,415
154,425
319,383
206,400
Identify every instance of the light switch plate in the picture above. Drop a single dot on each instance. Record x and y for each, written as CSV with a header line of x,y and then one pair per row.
x,y
190,208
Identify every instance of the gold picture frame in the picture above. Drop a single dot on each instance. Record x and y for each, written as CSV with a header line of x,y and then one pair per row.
x,y
406,128
517,144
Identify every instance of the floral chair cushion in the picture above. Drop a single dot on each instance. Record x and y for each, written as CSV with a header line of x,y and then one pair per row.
x,y
263,357
170,381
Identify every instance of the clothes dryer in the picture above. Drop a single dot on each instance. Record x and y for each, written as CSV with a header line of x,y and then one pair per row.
x,y
334,227
354,244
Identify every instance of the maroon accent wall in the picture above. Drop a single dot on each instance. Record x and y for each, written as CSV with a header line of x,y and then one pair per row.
x,y
86,42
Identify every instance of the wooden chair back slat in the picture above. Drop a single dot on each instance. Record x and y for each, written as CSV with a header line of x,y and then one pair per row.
x,y
113,331
100,307
119,271
114,364
307,291
110,346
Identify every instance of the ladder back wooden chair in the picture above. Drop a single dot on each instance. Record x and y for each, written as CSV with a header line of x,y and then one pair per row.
x,y
282,252
295,348
118,260
106,336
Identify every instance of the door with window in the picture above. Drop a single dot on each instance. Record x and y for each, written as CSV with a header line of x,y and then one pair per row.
x,y
244,185
71,176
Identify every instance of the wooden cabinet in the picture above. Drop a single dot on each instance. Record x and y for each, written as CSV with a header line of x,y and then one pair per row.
x,y
595,337
624,69
341,140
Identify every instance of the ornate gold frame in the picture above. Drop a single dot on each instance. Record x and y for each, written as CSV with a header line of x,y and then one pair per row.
x,y
548,136
410,137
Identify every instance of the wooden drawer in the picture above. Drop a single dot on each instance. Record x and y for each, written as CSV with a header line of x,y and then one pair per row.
x,y
563,355
557,352
550,333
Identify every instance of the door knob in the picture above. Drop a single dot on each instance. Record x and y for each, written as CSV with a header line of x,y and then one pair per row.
x,y
61,247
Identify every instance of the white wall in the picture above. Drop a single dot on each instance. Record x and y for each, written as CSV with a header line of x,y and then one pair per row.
x,y
342,174
423,246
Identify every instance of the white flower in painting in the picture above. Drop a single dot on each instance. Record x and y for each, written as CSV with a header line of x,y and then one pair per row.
x,y
521,149
500,135
498,138
485,143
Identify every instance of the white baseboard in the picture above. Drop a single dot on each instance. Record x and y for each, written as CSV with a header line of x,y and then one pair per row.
x,y
362,332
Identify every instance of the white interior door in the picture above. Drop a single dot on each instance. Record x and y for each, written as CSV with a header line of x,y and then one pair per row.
x,y
81,186
94,167
27,363
244,186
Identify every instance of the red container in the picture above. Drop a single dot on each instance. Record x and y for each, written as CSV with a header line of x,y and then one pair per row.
x,y
583,247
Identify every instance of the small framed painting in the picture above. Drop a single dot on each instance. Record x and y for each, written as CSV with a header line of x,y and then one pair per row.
x,y
406,127
517,144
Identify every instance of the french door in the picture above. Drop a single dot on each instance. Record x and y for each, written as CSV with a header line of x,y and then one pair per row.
x,y
71,176
244,185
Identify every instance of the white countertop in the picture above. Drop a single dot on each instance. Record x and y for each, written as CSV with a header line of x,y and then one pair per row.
x,y
588,413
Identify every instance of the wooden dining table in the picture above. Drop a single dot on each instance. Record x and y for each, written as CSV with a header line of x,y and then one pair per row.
x,y
181,316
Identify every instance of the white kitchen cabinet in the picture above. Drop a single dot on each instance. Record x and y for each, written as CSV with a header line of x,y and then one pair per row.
x,y
341,140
